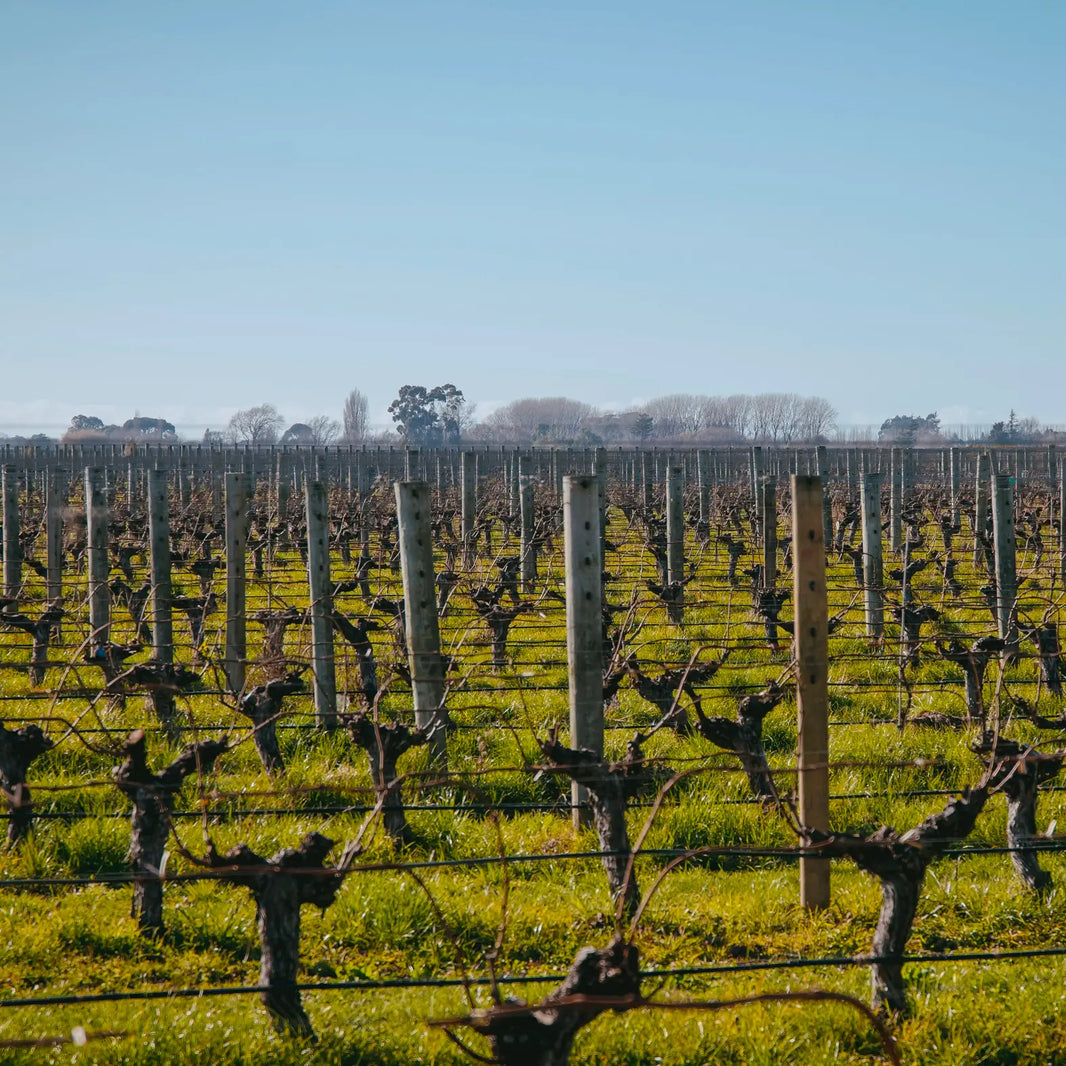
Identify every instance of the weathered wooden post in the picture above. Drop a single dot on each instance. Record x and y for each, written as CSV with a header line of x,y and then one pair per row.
x,y
822,455
954,483
812,668
755,475
12,543
981,491
599,468
420,612
159,538
705,480
675,526
584,642
895,500
237,486
321,593
96,518
768,520
1006,579
468,504
1052,482
1062,521
872,560
54,507
528,544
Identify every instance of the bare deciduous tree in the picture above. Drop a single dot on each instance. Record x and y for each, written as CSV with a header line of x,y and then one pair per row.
x,y
255,425
553,418
324,430
354,417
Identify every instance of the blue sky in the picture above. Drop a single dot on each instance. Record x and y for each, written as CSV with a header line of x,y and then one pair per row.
x,y
206,206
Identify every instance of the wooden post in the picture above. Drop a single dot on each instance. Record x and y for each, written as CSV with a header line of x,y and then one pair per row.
x,y
321,593
812,667
705,479
584,643
895,500
236,592
57,501
827,499
1062,520
1003,531
96,518
675,526
768,519
954,482
599,468
981,491
159,537
872,561
468,504
528,544
12,544
420,610
755,476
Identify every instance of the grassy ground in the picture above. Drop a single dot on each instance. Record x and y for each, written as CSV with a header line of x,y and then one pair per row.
x,y
727,910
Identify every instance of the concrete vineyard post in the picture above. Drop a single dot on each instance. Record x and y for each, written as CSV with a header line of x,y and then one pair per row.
x,y
159,540
12,543
236,540
420,610
812,667
872,561
320,589
96,518
584,648
1004,536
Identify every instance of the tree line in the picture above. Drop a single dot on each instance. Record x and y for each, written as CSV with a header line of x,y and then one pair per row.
x,y
440,416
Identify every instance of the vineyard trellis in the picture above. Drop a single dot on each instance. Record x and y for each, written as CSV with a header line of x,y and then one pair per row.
x,y
433,619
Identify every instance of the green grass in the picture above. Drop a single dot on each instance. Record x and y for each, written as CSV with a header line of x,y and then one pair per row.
x,y
717,910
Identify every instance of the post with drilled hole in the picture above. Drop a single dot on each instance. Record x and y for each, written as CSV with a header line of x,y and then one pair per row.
x,y
420,611
236,541
584,645
812,666
1006,577
96,518
872,560
321,591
